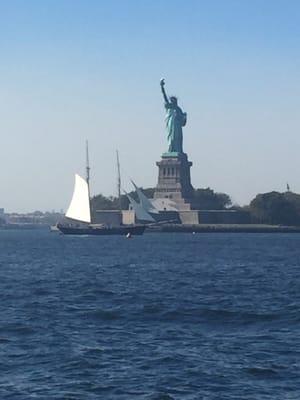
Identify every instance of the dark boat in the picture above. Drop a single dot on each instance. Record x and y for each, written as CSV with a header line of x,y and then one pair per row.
x,y
102,230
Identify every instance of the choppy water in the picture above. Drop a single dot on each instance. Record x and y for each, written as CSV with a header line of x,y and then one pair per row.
x,y
158,317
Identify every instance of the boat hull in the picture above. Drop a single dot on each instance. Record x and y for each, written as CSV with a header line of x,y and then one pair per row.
x,y
100,231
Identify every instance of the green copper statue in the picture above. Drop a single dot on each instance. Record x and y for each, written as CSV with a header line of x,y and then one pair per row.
x,y
175,120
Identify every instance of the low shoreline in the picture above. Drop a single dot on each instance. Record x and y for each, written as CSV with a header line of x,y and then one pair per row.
x,y
223,228
186,228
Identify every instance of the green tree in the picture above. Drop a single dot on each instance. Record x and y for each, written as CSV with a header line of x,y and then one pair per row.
x,y
207,199
275,208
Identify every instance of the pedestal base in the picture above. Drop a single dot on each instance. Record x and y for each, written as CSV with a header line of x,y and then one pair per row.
x,y
174,180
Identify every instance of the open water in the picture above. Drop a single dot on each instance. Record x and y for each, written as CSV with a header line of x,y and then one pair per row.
x,y
157,317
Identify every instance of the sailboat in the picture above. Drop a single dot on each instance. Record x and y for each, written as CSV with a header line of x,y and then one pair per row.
x,y
79,212
140,212
152,211
144,201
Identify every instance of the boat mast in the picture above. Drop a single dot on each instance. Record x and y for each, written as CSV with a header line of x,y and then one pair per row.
x,y
87,164
119,181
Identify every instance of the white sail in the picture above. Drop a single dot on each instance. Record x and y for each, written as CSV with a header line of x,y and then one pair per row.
x,y
144,201
140,212
79,208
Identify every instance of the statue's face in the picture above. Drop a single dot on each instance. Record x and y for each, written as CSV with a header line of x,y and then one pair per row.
x,y
173,100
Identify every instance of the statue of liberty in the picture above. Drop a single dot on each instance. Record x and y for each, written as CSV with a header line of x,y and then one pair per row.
x,y
175,120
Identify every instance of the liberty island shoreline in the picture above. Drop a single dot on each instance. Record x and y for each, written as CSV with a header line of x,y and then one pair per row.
x,y
46,222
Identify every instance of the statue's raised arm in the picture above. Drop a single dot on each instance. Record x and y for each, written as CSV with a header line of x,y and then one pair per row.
x,y
162,85
175,121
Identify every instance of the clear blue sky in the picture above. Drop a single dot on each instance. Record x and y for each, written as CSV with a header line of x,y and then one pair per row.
x,y
76,70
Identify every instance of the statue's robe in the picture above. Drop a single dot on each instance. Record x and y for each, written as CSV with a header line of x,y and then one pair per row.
x,y
175,120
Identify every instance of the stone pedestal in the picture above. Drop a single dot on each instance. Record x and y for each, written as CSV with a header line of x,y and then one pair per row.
x,y
174,180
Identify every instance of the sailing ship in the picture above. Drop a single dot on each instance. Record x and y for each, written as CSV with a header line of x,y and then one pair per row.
x,y
153,212
79,211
